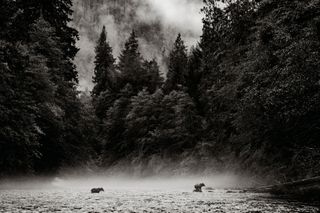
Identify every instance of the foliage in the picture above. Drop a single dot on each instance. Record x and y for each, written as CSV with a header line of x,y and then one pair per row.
x,y
178,60
247,95
261,83
104,73
42,128
130,64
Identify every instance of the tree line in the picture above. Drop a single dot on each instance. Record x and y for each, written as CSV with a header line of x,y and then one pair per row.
x,y
43,126
246,97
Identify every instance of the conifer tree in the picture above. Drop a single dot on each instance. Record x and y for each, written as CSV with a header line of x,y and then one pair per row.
x,y
45,41
57,13
178,60
19,144
116,145
194,75
153,78
130,64
59,118
42,125
104,73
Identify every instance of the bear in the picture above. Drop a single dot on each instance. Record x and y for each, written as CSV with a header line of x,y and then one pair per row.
x,y
198,187
97,190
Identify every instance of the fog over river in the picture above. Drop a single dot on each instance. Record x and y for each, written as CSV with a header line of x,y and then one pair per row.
x,y
166,194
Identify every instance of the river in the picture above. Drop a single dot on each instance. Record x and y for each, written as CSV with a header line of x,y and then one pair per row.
x,y
66,197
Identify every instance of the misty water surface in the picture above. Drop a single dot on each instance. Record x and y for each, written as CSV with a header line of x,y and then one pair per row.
x,y
139,195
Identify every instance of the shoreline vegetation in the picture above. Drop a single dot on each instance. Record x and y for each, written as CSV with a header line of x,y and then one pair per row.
x,y
245,99
305,189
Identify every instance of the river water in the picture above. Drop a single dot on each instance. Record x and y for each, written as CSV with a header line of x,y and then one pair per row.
x,y
134,198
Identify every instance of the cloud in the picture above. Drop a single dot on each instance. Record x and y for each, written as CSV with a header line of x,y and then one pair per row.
x,y
184,15
157,23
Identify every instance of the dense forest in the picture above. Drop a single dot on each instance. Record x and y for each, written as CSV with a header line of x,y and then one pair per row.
x,y
245,99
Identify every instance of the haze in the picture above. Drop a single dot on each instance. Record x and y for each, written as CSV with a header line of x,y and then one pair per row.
x,y
161,21
122,182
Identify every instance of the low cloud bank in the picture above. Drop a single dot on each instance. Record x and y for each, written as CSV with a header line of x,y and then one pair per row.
x,y
157,24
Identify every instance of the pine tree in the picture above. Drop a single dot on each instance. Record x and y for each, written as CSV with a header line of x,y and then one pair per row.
x,y
42,126
57,13
59,118
45,41
194,75
116,145
130,64
280,88
8,9
178,60
104,73
19,132
153,78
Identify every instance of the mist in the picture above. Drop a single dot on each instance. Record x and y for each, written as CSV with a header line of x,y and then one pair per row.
x,y
123,182
156,23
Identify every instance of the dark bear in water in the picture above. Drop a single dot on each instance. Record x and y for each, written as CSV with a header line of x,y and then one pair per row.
x,y
198,187
97,190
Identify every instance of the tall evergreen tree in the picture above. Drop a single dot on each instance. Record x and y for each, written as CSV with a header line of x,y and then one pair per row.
x,y
43,41
104,71
153,79
57,13
31,79
116,145
42,125
8,9
20,79
280,89
194,75
59,119
178,61
130,64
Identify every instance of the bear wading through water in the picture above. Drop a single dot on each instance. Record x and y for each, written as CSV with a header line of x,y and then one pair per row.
x,y
97,190
198,187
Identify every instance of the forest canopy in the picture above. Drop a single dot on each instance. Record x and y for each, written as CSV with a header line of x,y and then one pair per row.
x,y
246,98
